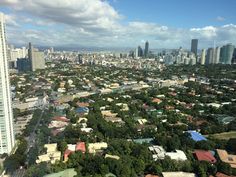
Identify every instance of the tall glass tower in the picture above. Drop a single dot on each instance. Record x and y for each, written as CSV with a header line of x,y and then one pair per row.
x,y
7,138
194,44
146,49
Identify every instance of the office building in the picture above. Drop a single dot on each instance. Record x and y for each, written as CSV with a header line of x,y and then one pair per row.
x,y
194,45
36,58
13,54
226,54
23,65
203,57
138,52
146,50
7,138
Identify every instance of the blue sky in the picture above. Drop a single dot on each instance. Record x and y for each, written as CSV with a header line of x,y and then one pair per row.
x,y
120,23
178,13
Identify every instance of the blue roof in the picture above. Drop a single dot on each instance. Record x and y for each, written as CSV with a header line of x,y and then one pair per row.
x,y
196,136
82,110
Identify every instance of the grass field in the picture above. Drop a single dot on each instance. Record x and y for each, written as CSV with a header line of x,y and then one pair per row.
x,y
225,135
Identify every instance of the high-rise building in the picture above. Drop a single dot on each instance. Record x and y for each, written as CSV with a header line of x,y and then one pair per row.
x,y
23,65
217,55
7,138
138,52
146,50
234,57
209,56
194,45
203,57
36,58
226,54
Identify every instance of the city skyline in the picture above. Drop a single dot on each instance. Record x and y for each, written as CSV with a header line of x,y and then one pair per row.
x,y
117,23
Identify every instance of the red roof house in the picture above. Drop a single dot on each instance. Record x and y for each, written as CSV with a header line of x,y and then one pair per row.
x,y
202,155
80,147
61,118
66,154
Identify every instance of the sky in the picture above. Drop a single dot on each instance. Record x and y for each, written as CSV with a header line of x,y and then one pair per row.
x,y
120,23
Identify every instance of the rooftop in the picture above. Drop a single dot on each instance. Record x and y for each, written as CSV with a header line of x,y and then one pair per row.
x,y
227,158
202,155
196,136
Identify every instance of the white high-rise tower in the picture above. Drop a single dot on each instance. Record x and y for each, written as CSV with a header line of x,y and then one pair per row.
x,y
7,137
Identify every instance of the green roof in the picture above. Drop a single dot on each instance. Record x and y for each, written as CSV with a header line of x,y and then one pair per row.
x,y
66,173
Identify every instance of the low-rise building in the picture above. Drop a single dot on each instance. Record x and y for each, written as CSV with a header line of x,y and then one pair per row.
x,y
202,155
227,158
178,174
95,147
52,154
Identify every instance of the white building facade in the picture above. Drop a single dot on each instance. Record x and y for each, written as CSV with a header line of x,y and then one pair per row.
x,y
7,137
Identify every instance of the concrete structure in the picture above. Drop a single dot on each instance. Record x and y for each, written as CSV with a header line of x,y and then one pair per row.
x,y
194,44
178,174
94,147
203,57
51,156
21,122
31,103
36,58
177,155
7,138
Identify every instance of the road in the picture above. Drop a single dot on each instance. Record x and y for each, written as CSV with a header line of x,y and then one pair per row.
x,y
32,138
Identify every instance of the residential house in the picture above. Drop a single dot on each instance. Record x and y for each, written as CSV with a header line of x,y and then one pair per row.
x,y
227,158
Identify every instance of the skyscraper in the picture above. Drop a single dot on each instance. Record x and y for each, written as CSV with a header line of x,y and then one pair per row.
x,y
36,58
146,49
203,57
194,44
7,138
217,55
226,54
209,56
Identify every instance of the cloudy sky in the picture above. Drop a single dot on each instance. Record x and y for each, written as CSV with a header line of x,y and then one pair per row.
x,y
120,23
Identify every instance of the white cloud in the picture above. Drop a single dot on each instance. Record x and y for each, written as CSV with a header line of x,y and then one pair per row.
x,y
97,23
206,32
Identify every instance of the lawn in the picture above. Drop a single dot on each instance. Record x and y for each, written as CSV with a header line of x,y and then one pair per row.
x,y
225,135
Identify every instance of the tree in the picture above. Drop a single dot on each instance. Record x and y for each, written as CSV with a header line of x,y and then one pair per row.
x,y
37,170
231,145
224,168
62,146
